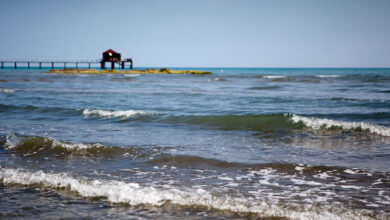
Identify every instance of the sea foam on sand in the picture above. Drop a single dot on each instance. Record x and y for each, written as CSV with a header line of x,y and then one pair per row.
x,y
135,194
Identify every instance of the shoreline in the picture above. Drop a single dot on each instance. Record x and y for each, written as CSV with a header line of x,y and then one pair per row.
x,y
137,71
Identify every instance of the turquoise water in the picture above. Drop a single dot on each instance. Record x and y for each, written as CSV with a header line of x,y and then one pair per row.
x,y
241,143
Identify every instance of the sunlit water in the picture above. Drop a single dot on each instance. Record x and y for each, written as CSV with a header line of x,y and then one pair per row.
x,y
240,143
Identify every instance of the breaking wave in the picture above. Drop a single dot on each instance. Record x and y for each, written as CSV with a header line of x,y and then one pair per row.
x,y
262,122
115,114
273,76
131,75
8,90
328,76
41,146
14,141
278,122
319,123
135,194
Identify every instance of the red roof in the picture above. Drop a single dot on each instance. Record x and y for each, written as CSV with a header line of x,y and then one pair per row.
x,y
110,51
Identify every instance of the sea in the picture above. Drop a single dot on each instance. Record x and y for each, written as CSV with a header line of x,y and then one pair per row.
x,y
241,143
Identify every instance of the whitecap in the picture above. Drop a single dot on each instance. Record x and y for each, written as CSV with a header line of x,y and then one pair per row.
x,y
318,123
220,79
349,171
13,141
350,187
273,76
8,90
323,175
328,76
73,146
225,178
132,75
115,114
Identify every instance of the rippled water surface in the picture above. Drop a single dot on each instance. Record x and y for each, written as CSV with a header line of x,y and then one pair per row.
x,y
240,143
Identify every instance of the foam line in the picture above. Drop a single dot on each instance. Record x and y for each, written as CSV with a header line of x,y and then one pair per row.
x,y
135,194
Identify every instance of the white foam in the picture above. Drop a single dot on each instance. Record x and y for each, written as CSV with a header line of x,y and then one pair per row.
x,y
318,123
13,141
115,114
300,169
273,76
72,146
304,182
349,171
225,178
350,187
132,75
8,90
135,194
323,175
219,79
328,76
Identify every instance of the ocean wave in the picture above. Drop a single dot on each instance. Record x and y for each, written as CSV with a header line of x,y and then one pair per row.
x,y
273,76
39,109
135,194
280,122
86,112
266,122
328,76
115,114
220,79
14,141
8,90
319,123
264,87
42,146
131,75
188,161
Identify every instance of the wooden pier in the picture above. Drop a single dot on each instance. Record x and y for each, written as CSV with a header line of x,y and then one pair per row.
x,y
63,64
110,56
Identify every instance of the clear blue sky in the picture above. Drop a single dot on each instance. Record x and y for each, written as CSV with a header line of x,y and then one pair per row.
x,y
201,33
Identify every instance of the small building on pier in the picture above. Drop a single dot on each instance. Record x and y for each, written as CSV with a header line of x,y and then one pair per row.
x,y
113,57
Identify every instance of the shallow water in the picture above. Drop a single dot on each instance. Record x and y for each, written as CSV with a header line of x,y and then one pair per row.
x,y
240,143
